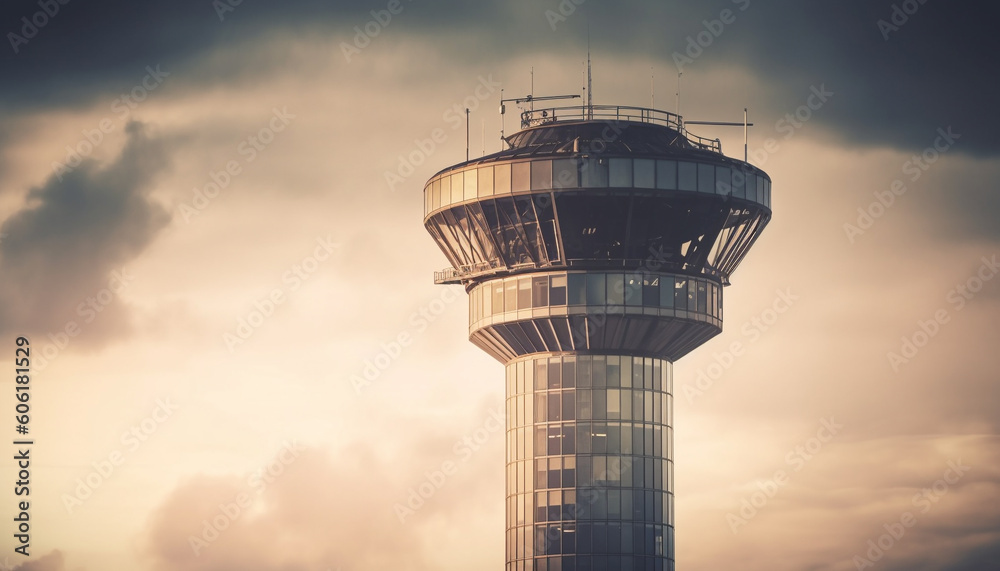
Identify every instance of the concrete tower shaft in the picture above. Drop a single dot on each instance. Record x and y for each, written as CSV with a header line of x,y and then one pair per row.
x,y
594,251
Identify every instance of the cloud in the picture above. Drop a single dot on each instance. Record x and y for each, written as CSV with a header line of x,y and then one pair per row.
x,y
59,252
51,562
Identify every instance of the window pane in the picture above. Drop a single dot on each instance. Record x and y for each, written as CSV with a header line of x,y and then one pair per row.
x,y
621,173
751,186
739,184
540,291
680,293
485,181
666,175
577,287
436,194
524,293
510,295
457,187
565,173
445,190
760,189
595,289
687,174
501,179
471,184
594,173
723,180
541,175
614,371
498,297
666,291
520,176
616,289
644,171
633,289
706,178
557,290
702,296
651,291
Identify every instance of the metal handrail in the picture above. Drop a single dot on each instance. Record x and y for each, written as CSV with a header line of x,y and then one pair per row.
x,y
549,115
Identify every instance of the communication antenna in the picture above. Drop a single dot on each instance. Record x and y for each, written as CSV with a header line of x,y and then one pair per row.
x,y
590,82
466,134
651,92
679,93
746,128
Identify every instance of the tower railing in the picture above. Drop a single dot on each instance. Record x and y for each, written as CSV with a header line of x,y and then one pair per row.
x,y
549,115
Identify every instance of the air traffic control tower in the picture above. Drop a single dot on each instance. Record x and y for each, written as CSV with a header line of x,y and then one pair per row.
x,y
594,250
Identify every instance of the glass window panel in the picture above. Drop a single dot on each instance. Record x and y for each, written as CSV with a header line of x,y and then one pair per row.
x,y
568,405
760,189
666,291
498,297
751,186
541,374
616,289
565,173
594,173
568,431
569,372
614,371
555,439
767,192
541,407
600,406
445,190
540,291
739,184
524,293
457,187
600,372
650,291
583,443
510,295
680,293
687,175
541,175
584,404
702,296
471,184
501,179
637,415
485,181
633,289
620,173
435,195
644,173
626,371
723,180
520,176
487,293
569,471
666,175
595,289
614,404
555,373
583,378
627,440
577,289
637,381
706,178
557,290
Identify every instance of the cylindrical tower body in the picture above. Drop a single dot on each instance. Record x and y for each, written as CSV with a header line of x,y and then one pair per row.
x,y
594,251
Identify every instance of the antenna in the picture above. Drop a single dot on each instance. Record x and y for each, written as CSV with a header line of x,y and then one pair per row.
x,y
744,124
651,92
590,83
466,134
679,93
531,94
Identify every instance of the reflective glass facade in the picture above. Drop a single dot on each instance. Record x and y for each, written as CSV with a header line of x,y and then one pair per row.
x,y
589,463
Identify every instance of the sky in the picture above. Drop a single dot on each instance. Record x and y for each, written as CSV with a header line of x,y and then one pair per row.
x,y
211,234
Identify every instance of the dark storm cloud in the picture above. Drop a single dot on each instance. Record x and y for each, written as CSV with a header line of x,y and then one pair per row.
x,y
64,246
935,67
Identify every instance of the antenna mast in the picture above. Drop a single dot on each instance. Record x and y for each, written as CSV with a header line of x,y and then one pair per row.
x,y
590,83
